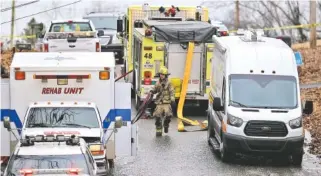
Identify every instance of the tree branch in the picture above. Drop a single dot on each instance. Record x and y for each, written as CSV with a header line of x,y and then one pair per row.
x,y
258,11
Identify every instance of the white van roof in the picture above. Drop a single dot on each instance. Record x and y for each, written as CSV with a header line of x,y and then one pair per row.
x,y
64,59
270,55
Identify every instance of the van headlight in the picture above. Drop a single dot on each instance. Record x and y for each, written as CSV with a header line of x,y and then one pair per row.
x,y
295,123
234,121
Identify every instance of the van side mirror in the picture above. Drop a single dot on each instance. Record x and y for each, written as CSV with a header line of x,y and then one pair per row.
x,y
217,104
100,33
6,123
119,25
118,122
307,107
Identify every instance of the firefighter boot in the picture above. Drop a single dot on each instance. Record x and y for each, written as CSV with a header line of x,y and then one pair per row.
x,y
159,128
166,124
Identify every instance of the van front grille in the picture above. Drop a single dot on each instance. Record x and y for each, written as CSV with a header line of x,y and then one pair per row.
x,y
265,129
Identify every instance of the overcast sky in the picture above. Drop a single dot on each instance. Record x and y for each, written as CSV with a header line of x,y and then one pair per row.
x,y
72,11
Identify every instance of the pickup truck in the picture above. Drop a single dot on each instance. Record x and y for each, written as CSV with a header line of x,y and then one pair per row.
x,y
71,35
106,25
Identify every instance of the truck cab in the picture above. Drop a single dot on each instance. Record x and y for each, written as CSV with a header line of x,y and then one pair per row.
x,y
106,25
75,35
66,93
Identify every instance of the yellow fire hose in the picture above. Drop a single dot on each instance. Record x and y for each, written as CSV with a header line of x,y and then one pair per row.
x,y
187,72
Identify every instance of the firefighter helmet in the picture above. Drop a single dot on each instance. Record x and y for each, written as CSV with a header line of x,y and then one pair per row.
x,y
163,70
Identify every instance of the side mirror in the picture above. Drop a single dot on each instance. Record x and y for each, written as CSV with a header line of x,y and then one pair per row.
x,y
307,107
119,25
100,33
119,35
118,122
6,123
217,104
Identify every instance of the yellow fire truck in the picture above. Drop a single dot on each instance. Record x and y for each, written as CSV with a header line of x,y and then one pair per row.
x,y
133,19
182,43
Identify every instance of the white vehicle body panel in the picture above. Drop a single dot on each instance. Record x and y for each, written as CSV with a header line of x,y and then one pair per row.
x,y
62,44
111,99
176,58
240,57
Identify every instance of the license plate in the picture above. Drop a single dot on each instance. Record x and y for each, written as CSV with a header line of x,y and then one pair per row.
x,y
62,81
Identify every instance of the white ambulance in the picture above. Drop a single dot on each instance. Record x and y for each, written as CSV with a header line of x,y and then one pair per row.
x,y
69,93
255,105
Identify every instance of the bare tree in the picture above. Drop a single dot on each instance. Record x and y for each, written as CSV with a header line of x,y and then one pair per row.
x,y
293,16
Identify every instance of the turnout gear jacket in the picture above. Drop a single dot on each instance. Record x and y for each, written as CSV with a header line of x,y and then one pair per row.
x,y
165,92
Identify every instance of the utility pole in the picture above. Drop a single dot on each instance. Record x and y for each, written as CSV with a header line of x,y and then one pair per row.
x,y
237,15
12,23
313,31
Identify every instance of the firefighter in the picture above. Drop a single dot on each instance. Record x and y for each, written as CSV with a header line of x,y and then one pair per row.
x,y
164,101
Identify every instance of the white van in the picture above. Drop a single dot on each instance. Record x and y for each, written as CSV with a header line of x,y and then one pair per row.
x,y
72,93
254,104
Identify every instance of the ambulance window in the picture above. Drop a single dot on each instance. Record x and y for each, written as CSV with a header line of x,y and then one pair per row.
x,y
72,117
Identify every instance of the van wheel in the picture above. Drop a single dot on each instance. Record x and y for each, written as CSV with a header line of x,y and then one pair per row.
x,y
297,158
226,156
210,131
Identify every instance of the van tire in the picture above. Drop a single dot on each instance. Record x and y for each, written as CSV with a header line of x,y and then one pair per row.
x,y
226,156
210,131
297,158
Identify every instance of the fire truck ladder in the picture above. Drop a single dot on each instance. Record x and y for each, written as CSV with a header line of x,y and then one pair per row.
x,y
181,120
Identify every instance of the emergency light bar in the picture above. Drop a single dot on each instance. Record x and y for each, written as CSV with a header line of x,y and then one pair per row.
x,y
30,140
71,171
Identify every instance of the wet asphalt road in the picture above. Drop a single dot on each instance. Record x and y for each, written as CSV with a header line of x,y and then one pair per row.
x,y
188,154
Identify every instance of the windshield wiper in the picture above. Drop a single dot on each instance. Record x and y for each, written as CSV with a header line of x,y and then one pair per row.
x,y
238,103
78,125
39,125
107,28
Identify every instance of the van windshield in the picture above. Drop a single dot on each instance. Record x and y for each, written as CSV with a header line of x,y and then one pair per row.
x,y
263,91
73,117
